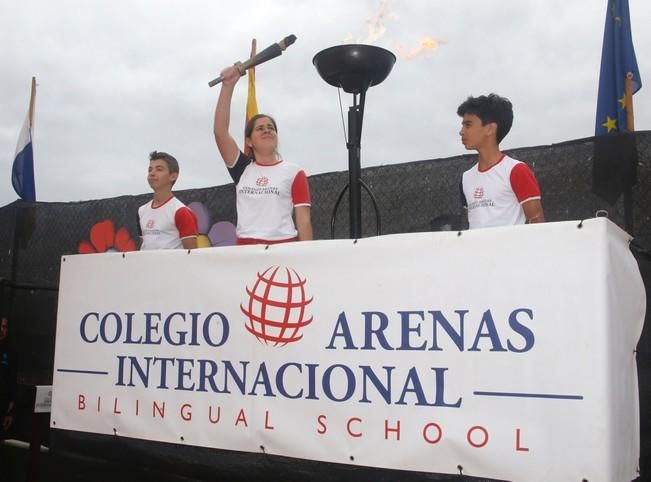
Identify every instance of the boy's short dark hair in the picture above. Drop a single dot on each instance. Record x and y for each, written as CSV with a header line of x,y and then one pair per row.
x,y
172,163
490,108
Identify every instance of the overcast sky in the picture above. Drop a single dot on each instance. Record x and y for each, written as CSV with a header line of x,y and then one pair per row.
x,y
117,79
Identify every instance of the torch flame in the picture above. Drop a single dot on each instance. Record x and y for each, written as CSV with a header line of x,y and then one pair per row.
x,y
426,44
376,27
377,30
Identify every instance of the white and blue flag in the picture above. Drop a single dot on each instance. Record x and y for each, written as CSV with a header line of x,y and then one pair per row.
x,y
22,173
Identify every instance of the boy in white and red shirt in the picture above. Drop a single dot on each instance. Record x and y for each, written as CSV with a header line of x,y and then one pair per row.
x,y
498,190
165,222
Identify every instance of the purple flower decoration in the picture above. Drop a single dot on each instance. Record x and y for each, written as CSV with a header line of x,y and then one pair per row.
x,y
221,233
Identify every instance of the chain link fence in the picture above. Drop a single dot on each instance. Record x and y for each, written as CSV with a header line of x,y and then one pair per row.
x,y
411,197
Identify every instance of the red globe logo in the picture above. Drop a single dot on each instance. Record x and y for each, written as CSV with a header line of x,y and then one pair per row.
x,y
262,181
277,306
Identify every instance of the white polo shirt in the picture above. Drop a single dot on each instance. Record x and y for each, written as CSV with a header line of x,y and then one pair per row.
x,y
164,226
266,197
494,197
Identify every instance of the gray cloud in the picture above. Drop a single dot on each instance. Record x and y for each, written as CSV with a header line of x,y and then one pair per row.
x,y
119,79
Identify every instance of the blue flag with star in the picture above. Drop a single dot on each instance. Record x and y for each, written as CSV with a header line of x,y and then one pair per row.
x,y
617,62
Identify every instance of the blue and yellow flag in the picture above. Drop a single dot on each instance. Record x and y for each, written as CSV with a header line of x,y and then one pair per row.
x,y
617,63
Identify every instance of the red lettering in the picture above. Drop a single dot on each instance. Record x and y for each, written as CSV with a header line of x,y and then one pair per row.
x,y
219,415
158,408
321,419
518,447
266,421
387,430
474,429
186,412
241,417
81,402
115,406
438,430
350,431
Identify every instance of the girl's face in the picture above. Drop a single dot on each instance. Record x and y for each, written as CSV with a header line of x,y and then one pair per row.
x,y
263,139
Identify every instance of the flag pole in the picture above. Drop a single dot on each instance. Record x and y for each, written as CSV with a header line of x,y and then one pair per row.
x,y
32,98
251,101
630,127
253,50
628,96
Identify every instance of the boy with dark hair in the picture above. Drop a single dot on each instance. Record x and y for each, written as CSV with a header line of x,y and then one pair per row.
x,y
498,190
165,222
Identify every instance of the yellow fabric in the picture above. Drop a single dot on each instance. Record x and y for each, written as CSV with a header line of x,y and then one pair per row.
x,y
251,102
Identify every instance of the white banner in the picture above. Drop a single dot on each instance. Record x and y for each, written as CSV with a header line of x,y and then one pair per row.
x,y
505,353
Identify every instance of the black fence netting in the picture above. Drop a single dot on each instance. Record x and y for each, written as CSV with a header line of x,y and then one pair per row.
x,y
7,226
411,197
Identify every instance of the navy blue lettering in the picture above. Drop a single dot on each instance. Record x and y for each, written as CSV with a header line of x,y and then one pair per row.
x,y
280,380
327,385
520,329
383,388
151,327
224,331
167,330
342,330
207,376
369,331
262,378
440,387
311,381
120,382
143,374
163,362
185,372
82,327
490,333
456,335
129,330
194,334
117,326
230,371
407,330
413,385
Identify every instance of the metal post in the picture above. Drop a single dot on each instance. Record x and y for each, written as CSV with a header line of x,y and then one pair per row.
x,y
354,173
355,119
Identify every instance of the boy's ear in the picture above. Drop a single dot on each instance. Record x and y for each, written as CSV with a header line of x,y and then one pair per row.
x,y
174,176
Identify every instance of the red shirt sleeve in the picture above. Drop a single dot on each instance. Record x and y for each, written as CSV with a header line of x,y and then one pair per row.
x,y
186,222
524,183
301,190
